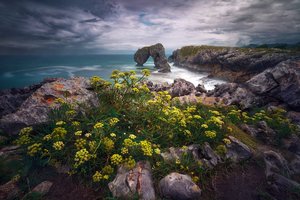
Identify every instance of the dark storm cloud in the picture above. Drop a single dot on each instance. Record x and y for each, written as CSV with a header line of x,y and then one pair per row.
x,y
101,26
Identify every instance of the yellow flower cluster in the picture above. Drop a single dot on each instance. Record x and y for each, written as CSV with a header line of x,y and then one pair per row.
x,y
129,143
60,123
78,133
98,125
113,121
108,144
130,162
226,141
116,159
81,157
47,137
59,133
146,72
24,137
113,135
80,143
59,145
146,147
76,124
93,145
34,148
98,82
97,176
71,114
210,134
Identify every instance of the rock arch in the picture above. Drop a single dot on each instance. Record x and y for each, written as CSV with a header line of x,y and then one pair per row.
x,y
157,52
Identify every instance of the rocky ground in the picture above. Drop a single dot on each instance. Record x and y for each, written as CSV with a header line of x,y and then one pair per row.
x,y
253,168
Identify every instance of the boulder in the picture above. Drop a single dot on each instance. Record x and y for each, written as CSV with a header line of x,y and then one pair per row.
x,y
157,52
181,87
35,109
237,151
10,190
137,181
43,188
179,187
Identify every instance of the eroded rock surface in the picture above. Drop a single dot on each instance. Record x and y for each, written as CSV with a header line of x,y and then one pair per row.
x,y
128,183
157,52
179,187
35,109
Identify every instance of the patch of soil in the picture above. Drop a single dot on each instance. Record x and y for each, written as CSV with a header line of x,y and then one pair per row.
x,y
64,187
241,182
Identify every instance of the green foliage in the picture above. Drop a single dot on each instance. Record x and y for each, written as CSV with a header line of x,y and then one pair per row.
x,y
130,124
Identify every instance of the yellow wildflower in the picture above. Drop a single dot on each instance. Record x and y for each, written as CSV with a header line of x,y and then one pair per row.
x,y
98,125
210,134
60,123
81,157
78,133
108,144
113,135
33,149
59,145
146,148
97,177
113,121
116,159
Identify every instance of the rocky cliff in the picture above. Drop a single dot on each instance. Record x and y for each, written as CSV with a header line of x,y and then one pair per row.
x,y
230,63
157,52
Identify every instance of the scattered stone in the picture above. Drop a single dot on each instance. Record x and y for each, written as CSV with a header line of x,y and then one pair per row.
x,y
201,89
275,163
157,52
35,109
292,144
128,183
237,151
179,186
43,188
210,158
294,165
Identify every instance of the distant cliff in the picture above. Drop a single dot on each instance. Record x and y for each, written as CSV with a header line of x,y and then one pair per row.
x,y
230,63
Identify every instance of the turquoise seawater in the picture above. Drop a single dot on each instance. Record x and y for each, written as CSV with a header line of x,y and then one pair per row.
x,y
20,71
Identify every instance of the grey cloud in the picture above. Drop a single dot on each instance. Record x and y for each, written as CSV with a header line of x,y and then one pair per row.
x,y
96,26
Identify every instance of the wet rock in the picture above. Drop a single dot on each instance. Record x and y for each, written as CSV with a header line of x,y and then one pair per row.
x,y
35,109
200,88
237,151
157,52
43,188
179,186
181,87
128,183
9,190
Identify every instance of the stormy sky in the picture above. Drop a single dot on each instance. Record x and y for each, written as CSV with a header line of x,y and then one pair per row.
x,y
121,26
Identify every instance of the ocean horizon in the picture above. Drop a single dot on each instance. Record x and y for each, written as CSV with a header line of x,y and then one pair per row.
x,y
20,71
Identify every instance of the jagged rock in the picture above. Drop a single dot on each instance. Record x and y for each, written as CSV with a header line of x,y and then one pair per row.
x,y
157,52
278,84
233,64
12,99
281,82
275,163
294,165
203,154
292,144
35,109
136,181
237,151
9,150
43,188
200,88
278,173
9,190
181,87
179,186
250,129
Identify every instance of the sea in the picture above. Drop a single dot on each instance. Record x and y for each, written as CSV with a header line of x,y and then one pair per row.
x,y
25,70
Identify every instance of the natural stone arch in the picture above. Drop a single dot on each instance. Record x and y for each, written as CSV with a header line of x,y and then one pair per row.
x,y
157,52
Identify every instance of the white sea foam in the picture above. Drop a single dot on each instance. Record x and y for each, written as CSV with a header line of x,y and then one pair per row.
x,y
193,77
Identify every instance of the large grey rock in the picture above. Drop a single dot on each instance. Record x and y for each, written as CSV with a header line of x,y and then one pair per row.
x,y
181,87
157,52
35,109
278,84
179,187
237,151
281,82
128,183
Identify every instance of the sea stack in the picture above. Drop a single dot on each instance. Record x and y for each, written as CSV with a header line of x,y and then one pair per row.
x,y
157,52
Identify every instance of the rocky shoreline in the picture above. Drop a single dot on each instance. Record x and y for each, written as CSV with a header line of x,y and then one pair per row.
x,y
276,85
